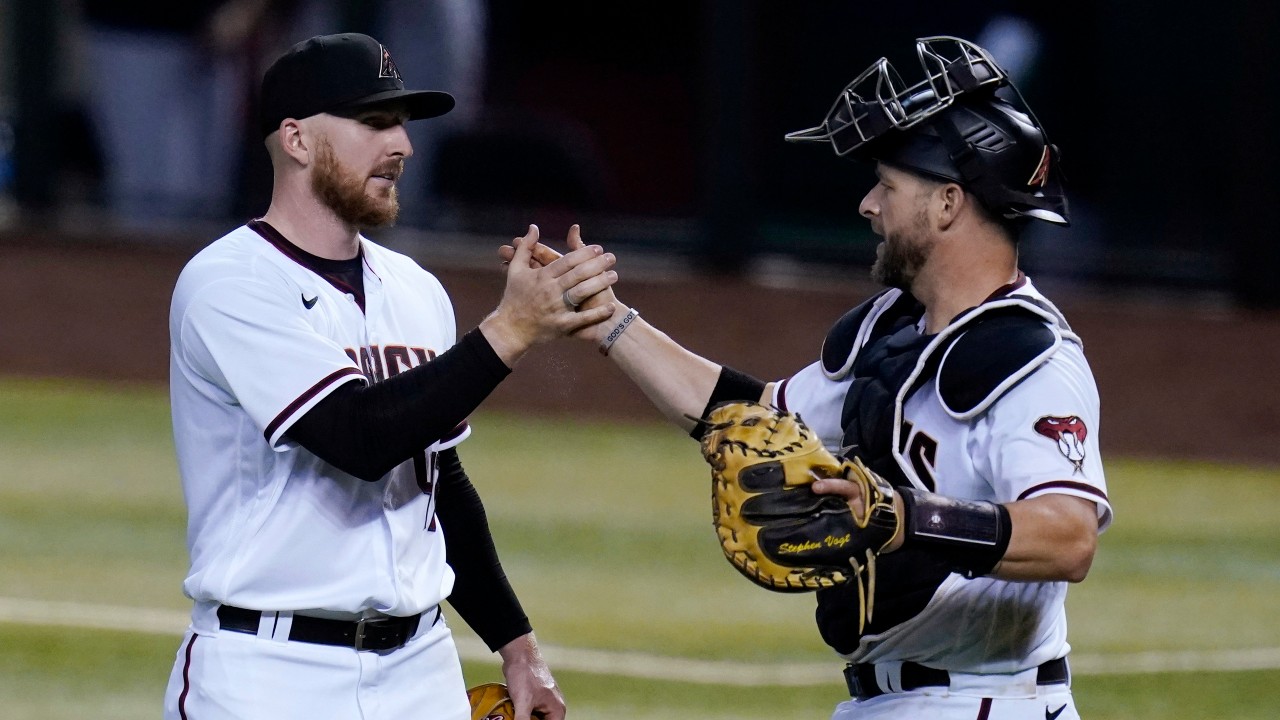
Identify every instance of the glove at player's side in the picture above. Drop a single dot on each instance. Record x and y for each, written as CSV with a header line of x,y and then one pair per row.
x,y
772,526
490,701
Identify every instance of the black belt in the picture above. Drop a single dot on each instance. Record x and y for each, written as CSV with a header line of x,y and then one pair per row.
x,y
380,633
861,678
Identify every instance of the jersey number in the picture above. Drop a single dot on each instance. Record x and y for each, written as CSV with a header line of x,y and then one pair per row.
x,y
922,452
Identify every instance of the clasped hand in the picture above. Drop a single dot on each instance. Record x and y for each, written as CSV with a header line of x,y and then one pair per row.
x,y
547,294
592,303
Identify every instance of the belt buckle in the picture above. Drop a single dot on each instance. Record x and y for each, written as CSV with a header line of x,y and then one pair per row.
x,y
359,645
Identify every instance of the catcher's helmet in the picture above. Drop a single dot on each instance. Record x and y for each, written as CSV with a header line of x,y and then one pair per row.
x,y
950,126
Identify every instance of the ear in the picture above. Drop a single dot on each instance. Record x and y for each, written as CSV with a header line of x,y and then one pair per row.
x,y
950,201
294,141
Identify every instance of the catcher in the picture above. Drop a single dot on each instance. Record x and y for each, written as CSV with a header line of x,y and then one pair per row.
x,y
953,415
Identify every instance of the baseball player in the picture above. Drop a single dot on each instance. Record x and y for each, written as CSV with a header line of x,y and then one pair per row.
x,y
319,396
960,383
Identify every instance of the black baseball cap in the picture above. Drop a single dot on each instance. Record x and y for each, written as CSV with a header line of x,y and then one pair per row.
x,y
339,74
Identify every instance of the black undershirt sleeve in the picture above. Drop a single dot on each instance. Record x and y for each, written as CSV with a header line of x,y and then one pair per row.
x,y
731,385
367,430
482,595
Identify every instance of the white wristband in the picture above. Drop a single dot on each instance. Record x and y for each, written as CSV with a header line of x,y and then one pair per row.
x,y
617,331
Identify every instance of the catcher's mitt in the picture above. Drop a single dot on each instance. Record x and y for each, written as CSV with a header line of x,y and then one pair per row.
x,y
772,527
491,701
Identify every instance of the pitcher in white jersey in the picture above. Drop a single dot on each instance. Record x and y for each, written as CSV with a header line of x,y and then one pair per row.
x,y
319,395
961,384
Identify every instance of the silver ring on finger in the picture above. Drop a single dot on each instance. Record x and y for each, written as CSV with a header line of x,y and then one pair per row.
x,y
573,306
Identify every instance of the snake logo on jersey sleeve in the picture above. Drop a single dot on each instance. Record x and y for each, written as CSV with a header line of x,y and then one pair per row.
x,y
1069,432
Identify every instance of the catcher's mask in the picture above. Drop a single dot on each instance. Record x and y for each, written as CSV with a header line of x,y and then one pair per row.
x,y
950,126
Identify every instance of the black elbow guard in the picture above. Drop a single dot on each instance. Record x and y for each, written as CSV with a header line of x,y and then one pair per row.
x,y
972,535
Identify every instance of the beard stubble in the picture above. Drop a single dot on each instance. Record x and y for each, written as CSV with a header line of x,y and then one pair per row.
x,y
343,191
902,254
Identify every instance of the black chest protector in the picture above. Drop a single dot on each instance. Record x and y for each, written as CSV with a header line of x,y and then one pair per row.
x,y
879,371
979,356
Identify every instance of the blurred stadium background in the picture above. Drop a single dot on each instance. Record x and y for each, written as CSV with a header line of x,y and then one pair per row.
x,y
658,126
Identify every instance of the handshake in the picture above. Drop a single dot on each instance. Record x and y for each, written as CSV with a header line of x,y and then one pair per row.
x,y
550,295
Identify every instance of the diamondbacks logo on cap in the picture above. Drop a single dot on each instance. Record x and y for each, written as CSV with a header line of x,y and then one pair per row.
x,y
388,68
1039,178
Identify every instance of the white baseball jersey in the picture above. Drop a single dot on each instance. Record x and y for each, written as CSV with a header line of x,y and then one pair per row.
x,y
258,338
1039,436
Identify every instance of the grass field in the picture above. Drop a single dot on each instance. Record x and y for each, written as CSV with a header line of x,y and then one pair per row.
x,y
605,532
